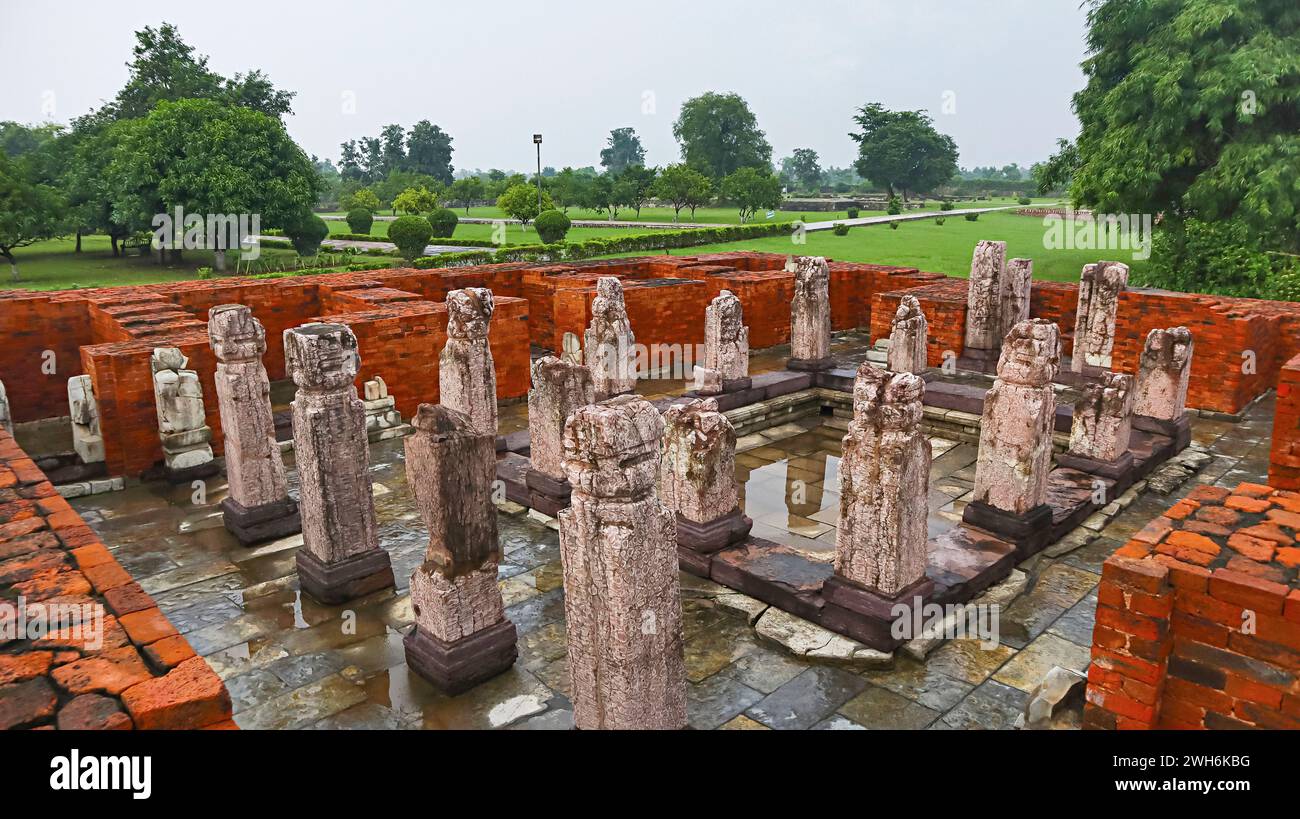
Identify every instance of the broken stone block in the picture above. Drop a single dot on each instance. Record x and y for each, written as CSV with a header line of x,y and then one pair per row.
x,y
467,380
1103,419
622,596
1100,286
84,409
708,382
381,409
984,296
461,635
726,342
610,346
1163,372
182,421
259,507
697,477
1060,690
810,315
340,558
907,338
6,416
559,388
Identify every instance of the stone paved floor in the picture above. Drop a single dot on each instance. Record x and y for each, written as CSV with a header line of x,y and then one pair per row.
x,y
291,663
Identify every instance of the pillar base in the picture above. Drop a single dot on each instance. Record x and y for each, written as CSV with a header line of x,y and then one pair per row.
x,y
1030,531
715,534
255,524
346,580
973,359
1119,470
547,494
867,615
809,364
459,666
190,473
1180,430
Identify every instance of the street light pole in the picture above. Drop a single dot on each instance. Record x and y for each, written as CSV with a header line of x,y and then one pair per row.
x,y
537,140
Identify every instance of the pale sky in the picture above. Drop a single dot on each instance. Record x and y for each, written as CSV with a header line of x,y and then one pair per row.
x,y
493,73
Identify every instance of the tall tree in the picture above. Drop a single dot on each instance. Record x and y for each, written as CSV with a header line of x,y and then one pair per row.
x,y
639,186
1057,172
718,134
428,151
683,187
750,189
803,168
901,150
29,211
622,150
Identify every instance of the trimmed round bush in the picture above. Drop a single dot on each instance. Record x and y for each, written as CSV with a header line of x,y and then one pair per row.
x,y
895,206
552,226
1024,200
360,220
840,229
893,225
307,233
411,234
443,221
972,217
853,213
946,205
939,220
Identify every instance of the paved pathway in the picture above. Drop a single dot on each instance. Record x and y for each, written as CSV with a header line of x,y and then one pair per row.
x,y
902,217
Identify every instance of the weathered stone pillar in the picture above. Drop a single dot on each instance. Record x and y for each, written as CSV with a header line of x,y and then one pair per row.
x,y
1015,453
1100,431
461,635
340,558
907,338
884,487
571,348
259,507
1094,326
726,347
1016,288
609,345
382,418
810,315
697,478
559,388
622,599
1163,373
467,379
6,416
84,409
182,425
984,299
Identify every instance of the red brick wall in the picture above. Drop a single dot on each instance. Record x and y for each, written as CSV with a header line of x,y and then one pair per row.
x,y
30,324
1284,460
1198,617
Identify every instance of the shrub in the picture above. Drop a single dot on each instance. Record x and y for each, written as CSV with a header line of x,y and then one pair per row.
x,y
1284,284
945,205
360,221
307,233
853,213
443,221
1024,200
893,225
972,217
203,273
939,220
411,234
1223,256
840,229
552,226
895,206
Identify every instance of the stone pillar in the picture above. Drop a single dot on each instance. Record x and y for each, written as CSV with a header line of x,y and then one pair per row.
x,y
697,477
86,437
6,416
810,315
340,558
1099,434
1163,372
1016,289
467,379
907,338
1094,325
984,299
622,598
726,348
182,424
609,344
559,388
382,418
1015,450
461,635
259,507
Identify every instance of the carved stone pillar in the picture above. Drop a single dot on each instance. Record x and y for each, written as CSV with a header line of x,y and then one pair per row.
x,y
1163,374
340,558
1016,288
182,425
726,347
1094,327
810,315
87,440
984,298
907,338
609,345
1100,431
559,388
697,477
467,380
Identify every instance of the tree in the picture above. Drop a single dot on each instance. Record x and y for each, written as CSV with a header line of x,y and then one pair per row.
x,y
1057,172
29,212
902,150
750,189
1192,110
567,188
363,199
603,196
803,168
428,151
683,187
520,202
638,185
623,149
466,191
718,135
415,200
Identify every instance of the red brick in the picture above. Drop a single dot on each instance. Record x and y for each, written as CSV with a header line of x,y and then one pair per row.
x,y
1291,520
189,696
1186,575
1252,547
1205,493
128,598
1260,595
92,712
1141,575
1219,515
110,672
25,703
19,667
169,652
1182,509
1245,504
1154,531
146,626
93,555
1254,490
107,576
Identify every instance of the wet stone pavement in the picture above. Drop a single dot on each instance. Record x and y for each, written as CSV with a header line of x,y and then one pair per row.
x,y
292,663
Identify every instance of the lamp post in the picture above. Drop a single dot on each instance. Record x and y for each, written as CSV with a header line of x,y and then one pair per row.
x,y
537,140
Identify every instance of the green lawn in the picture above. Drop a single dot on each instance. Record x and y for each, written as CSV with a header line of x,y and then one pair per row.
x,y
515,234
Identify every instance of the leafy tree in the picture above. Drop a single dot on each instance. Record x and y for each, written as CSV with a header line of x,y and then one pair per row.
x,y
1221,256
567,188
411,234
902,150
362,199
552,226
395,183
638,186
623,150
520,202
1192,109
17,140
392,157
29,212
428,151
1058,171
466,191
803,168
415,200
750,189
603,196
683,187
718,135
307,231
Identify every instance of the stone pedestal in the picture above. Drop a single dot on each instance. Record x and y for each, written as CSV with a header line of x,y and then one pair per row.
x,y
6,416
467,380
1163,372
461,635
609,345
697,477
340,558
884,485
182,424
726,347
907,338
810,315
622,599
258,507
1101,428
1015,450
382,418
559,388
1100,285
87,440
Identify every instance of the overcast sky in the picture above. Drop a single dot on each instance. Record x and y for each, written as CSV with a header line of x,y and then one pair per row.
x,y
493,73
